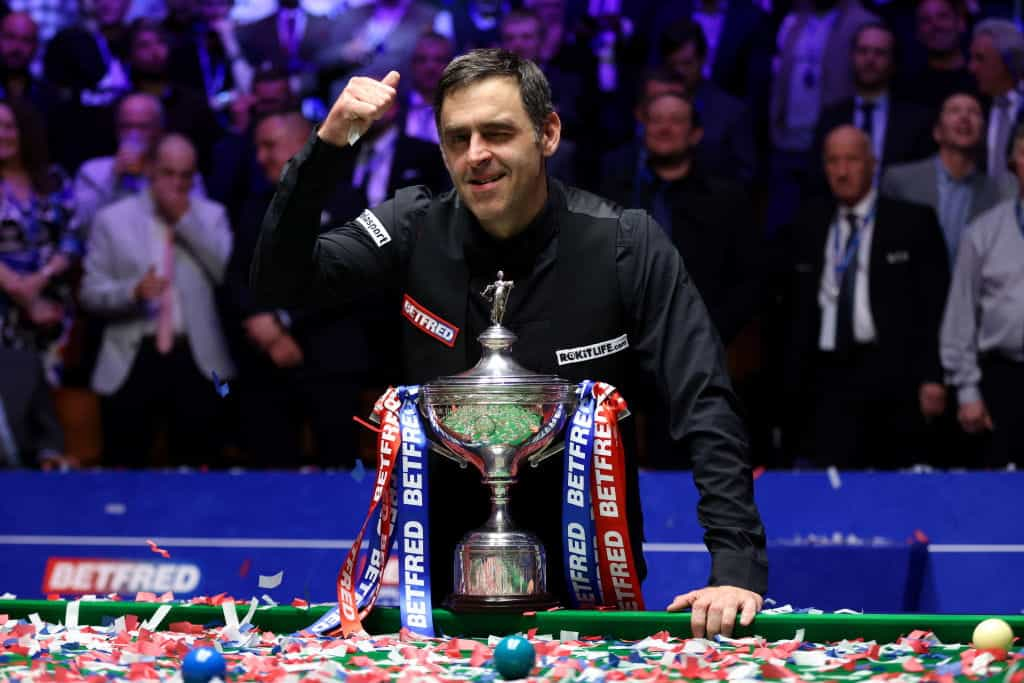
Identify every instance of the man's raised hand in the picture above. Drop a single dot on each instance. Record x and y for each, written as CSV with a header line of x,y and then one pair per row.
x,y
363,101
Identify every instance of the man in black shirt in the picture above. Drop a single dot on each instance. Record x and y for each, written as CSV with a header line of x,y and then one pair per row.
x,y
586,274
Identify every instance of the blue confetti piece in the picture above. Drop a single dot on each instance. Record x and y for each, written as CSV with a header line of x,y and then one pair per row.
x,y
359,471
949,669
222,387
613,660
636,658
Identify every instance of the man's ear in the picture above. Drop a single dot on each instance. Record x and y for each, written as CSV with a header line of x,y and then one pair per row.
x,y
550,134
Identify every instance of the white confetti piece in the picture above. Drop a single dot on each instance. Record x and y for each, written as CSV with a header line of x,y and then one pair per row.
x,y
271,581
251,613
153,623
833,477
569,635
71,614
115,508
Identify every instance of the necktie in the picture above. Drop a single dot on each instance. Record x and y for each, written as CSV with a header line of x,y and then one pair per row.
x,y
1001,122
165,319
844,309
8,446
867,114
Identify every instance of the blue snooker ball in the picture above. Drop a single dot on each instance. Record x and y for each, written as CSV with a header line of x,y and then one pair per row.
x,y
201,664
514,657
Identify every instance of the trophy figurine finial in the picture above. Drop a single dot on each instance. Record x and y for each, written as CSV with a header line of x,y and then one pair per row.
x,y
497,293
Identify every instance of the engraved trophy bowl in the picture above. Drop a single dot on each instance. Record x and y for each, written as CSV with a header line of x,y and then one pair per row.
x,y
495,416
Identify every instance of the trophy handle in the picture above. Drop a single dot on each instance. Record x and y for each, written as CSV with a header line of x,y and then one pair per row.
x,y
558,445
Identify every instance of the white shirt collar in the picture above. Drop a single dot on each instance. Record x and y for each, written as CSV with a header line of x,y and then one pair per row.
x,y
861,208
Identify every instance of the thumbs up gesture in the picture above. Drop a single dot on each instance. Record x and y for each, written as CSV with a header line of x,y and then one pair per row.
x,y
363,101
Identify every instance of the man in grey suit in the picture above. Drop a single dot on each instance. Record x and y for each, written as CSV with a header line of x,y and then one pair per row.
x,y
152,263
951,181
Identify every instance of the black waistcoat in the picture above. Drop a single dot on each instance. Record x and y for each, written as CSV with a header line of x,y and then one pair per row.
x,y
574,302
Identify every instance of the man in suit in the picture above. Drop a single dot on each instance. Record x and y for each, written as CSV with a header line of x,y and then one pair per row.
x,y
898,130
727,148
431,54
997,63
812,72
709,218
302,362
290,37
949,182
30,434
151,267
104,180
867,284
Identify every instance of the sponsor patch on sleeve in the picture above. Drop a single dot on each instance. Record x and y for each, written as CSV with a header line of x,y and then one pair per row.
x,y
601,349
430,323
372,225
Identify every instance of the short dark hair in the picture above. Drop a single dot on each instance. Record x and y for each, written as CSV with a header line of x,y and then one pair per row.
x,y
696,120
680,34
877,25
479,65
657,74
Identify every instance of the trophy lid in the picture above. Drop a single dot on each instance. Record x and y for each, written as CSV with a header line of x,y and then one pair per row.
x,y
498,377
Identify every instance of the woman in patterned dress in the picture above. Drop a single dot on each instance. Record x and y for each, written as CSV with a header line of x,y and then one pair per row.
x,y
38,248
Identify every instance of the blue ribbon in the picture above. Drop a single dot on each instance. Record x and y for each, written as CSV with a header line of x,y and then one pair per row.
x,y
413,516
579,544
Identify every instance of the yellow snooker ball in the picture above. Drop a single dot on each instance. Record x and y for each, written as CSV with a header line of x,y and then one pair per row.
x,y
993,634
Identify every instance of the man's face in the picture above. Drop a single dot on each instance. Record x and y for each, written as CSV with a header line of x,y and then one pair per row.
x,y
19,40
428,61
493,155
872,59
668,127
522,36
848,164
109,12
138,118
938,26
687,63
960,123
173,171
271,95
149,53
275,145
987,67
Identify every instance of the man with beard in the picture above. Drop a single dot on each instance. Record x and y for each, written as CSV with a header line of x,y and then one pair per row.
x,y
186,111
599,292
941,25
898,131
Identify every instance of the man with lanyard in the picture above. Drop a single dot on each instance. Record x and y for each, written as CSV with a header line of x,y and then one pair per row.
x,y
586,274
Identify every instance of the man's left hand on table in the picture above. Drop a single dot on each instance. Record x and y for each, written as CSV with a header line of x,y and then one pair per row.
x,y
714,609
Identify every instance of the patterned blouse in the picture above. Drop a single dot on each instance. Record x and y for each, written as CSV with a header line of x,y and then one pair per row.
x,y
31,232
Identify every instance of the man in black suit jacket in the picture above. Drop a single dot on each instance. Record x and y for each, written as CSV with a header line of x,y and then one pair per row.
x,y
709,218
900,131
28,421
867,283
727,148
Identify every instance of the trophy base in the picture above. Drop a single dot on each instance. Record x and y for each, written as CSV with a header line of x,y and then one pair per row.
x,y
495,603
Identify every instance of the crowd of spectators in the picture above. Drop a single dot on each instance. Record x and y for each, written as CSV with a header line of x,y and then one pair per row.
x,y
842,178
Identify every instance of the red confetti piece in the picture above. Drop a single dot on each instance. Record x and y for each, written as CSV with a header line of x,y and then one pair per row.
x,y
243,571
299,602
758,471
157,549
52,596
912,665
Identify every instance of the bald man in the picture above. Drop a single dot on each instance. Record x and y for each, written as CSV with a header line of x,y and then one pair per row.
x,y
295,364
104,180
154,259
867,283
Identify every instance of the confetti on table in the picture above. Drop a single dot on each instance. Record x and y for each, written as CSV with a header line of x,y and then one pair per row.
x,y
833,477
272,580
158,550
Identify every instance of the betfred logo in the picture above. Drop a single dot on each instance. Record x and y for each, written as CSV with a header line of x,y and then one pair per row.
x,y
98,575
434,325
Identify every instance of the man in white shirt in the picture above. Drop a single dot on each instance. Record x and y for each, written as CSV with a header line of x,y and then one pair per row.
x,y
867,283
997,63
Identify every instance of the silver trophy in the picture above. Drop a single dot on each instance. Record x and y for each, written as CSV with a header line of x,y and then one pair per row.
x,y
494,417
